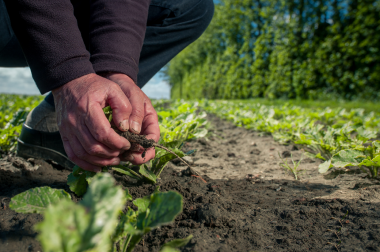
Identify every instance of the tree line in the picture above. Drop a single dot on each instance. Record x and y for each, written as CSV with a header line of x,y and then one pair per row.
x,y
307,49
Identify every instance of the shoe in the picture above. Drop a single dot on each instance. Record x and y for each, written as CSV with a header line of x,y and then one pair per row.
x,y
43,145
40,137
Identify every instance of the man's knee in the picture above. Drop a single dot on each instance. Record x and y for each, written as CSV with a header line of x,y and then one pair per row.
x,y
204,13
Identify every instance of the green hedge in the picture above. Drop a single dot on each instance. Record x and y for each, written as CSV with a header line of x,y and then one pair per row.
x,y
283,49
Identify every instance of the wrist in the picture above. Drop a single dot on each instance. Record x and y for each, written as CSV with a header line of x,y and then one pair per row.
x,y
72,84
116,76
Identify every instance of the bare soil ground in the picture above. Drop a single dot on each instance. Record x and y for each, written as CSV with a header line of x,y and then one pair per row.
x,y
249,203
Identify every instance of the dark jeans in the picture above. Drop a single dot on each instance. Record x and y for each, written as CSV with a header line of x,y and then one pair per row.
x,y
171,26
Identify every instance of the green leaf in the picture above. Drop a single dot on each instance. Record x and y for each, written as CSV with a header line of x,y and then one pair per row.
x,y
178,243
107,110
36,200
78,180
374,162
127,195
160,163
63,227
142,203
325,166
364,134
200,133
85,226
147,173
164,208
169,249
125,172
347,158
320,156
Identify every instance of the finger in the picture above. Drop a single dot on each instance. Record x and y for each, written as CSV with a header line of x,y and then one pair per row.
x,y
101,130
137,116
81,155
93,147
121,109
83,164
150,123
136,158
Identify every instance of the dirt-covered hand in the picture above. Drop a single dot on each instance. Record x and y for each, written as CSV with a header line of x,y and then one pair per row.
x,y
143,119
88,139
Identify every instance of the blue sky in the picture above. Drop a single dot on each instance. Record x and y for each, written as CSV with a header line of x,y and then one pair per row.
x,y
20,81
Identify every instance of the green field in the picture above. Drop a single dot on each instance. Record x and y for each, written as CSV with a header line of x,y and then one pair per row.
x,y
342,134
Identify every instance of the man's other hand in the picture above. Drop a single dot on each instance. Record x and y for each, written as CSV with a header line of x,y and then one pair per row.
x,y
143,118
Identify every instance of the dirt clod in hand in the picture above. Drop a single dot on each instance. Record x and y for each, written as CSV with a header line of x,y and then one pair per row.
x,y
141,140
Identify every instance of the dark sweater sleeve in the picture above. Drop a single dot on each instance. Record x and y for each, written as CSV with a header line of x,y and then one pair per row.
x,y
117,30
51,41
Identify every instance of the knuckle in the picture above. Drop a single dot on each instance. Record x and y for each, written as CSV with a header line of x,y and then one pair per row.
x,y
95,151
81,154
101,135
71,121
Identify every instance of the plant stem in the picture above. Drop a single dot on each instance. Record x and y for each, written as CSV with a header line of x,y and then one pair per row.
x,y
127,243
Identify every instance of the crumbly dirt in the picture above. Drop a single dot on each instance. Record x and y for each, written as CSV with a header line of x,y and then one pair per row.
x,y
249,203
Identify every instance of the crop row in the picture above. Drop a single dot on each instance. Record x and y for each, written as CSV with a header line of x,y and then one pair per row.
x,y
341,137
99,221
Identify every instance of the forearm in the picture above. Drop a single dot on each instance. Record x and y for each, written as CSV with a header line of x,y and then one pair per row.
x,y
117,31
51,41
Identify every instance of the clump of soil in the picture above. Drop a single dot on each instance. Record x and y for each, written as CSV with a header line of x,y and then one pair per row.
x,y
136,139
250,206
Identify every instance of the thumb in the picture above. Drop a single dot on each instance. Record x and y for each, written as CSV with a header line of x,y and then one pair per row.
x,y
121,108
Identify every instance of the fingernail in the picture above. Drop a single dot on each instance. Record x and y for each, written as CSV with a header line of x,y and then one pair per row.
x,y
124,125
116,162
136,127
129,157
127,147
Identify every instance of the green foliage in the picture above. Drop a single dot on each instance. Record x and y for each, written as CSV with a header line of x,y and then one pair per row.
x,y
283,49
336,135
92,224
36,200
361,156
79,179
153,211
13,112
174,244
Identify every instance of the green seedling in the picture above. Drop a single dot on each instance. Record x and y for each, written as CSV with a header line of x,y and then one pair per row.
x,y
93,223
361,156
292,168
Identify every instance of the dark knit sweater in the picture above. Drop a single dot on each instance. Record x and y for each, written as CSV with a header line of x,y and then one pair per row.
x,y
63,40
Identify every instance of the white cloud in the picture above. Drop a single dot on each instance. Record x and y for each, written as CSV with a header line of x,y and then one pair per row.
x,y
17,81
20,81
157,88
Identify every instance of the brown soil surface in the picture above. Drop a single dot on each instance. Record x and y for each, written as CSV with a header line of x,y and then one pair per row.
x,y
249,203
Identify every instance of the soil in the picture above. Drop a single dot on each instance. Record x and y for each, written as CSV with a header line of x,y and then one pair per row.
x,y
249,203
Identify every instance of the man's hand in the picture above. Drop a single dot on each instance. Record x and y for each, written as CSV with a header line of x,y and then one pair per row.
x,y
143,119
88,139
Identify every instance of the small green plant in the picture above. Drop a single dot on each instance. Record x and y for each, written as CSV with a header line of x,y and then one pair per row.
x,y
364,157
97,222
13,112
292,168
